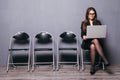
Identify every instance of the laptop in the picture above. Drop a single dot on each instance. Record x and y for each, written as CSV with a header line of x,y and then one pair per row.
x,y
96,31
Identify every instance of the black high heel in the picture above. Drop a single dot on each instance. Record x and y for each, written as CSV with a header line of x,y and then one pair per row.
x,y
92,70
108,64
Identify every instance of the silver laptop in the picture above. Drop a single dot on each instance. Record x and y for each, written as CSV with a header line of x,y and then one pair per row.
x,y
96,31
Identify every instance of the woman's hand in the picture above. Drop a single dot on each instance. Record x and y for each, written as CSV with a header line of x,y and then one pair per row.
x,y
84,37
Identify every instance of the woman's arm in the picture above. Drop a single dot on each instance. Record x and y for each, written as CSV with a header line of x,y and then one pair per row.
x,y
83,32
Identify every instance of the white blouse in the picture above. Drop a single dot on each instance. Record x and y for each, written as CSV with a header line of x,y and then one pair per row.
x,y
91,23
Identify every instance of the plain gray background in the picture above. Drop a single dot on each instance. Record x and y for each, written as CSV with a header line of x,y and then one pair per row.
x,y
56,16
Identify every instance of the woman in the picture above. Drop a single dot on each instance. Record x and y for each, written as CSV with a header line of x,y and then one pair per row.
x,y
92,44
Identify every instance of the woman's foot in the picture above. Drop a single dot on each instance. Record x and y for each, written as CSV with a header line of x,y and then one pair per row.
x,y
108,64
92,70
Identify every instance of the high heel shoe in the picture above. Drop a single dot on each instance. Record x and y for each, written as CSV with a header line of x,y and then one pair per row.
x,y
108,64
92,70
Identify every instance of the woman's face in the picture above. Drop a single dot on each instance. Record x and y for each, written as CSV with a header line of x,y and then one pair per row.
x,y
91,15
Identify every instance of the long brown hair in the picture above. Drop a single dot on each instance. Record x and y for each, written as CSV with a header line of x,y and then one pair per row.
x,y
86,21
87,13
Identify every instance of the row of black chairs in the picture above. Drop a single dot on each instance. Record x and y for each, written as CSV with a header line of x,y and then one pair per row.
x,y
21,46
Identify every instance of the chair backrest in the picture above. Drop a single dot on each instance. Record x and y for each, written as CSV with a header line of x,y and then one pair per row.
x,y
68,39
42,39
20,40
68,36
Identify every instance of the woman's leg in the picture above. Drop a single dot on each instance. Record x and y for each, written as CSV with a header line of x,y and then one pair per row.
x,y
92,54
99,49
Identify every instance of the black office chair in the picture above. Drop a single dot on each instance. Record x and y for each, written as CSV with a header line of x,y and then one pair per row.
x,y
43,44
67,42
19,49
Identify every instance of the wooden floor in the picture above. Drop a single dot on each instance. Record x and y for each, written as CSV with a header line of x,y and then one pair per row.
x,y
66,73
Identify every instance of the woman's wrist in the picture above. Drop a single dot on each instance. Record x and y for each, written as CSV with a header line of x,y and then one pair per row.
x,y
84,37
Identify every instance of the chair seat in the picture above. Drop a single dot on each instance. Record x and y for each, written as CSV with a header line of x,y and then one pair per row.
x,y
43,49
67,48
18,49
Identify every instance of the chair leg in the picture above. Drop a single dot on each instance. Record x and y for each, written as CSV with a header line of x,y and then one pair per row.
x,y
57,67
53,49
33,62
103,65
78,56
8,63
29,61
100,61
82,62
78,61
53,62
57,61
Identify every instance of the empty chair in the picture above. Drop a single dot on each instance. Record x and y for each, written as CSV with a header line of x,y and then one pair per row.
x,y
19,50
43,50
67,43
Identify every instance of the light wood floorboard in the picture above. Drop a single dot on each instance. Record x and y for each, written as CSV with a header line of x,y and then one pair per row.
x,y
66,73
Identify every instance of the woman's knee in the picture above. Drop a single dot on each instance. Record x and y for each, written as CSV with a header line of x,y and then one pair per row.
x,y
95,41
92,47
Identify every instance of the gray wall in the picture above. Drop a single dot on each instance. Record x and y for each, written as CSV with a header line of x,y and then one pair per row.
x,y
56,16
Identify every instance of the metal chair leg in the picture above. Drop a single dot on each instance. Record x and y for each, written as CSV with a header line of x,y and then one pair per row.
x,y
8,63
82,63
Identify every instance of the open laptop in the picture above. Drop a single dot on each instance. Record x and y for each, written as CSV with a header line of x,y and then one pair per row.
x,y
96,31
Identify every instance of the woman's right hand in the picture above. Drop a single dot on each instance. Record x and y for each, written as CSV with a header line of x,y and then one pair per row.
x,y
84,37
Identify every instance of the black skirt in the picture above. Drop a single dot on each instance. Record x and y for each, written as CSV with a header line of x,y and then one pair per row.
x,y
86,44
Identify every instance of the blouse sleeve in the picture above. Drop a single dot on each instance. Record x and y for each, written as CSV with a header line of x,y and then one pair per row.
x,y
99,22
82,31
